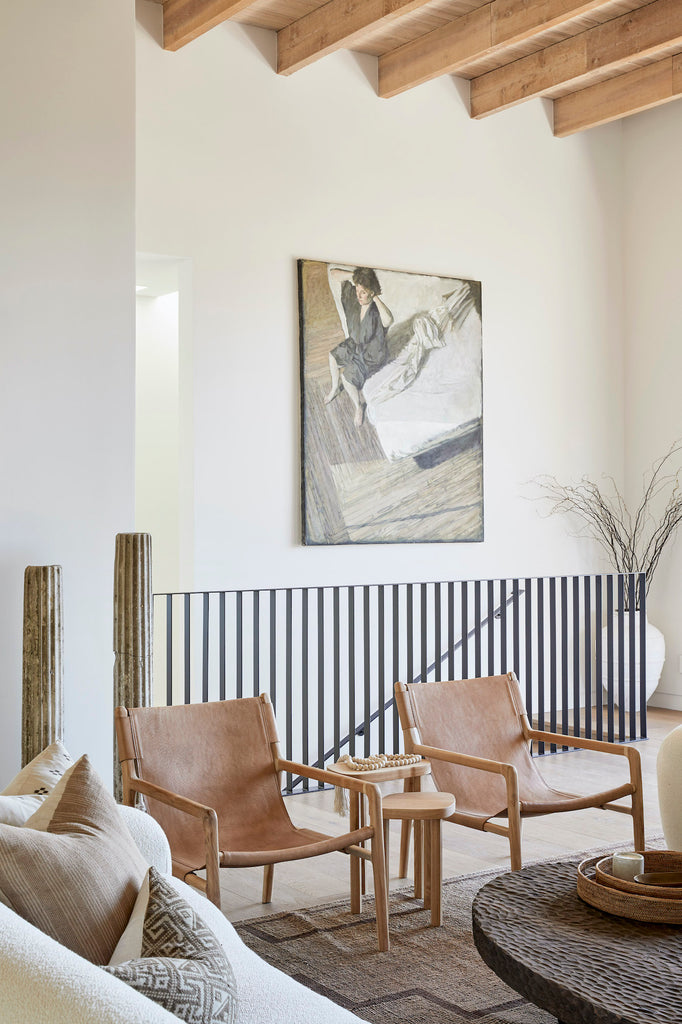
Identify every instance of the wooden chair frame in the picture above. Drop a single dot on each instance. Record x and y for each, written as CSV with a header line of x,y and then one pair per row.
x,y
508,771
133,784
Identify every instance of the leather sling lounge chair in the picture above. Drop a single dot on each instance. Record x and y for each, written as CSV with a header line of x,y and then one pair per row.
x,y
476,734
210,775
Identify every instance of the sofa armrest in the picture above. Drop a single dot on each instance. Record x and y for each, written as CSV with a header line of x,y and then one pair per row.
x,y
42,982
149,837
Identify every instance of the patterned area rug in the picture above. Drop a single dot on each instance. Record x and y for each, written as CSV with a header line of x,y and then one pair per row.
x,y
430,976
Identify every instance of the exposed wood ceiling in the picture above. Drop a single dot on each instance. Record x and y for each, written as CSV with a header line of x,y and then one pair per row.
x,y
598,60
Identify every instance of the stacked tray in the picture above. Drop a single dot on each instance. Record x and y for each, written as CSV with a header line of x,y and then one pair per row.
x,y
656,904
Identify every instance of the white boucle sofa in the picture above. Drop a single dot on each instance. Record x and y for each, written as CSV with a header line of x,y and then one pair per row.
x,y
42,982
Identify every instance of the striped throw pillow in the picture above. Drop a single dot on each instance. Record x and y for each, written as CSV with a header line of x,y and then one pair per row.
x,y
78,880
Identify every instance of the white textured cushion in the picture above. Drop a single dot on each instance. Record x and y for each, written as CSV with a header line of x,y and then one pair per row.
x,y
149,837
263,992
27,790
42,982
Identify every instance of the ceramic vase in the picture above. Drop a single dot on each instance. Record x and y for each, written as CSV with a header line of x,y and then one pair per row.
x,y
669,772
655,656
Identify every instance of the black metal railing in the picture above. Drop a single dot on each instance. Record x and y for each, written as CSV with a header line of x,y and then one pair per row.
x,y
329,656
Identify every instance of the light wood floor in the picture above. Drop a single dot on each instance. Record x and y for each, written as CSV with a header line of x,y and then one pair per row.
x,y
321,879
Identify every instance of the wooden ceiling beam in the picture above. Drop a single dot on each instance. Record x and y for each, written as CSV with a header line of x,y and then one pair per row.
x,y
643,32
630,93
480,33
334,25
184,20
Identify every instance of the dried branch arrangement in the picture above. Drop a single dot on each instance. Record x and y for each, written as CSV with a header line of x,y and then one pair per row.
x,y
633,541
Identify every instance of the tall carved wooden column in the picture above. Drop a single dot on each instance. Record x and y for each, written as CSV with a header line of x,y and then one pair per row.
x,y
43,667
132,627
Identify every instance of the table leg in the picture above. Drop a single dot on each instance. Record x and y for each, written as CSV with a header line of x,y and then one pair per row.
x,y
355,887
428,881
405,831
386,830
363,822
434,828
418,859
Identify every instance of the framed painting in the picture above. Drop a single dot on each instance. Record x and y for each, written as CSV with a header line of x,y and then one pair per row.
x,y
391,396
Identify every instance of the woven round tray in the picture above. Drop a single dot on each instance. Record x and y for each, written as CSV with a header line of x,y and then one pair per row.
x,y
639,905
654,860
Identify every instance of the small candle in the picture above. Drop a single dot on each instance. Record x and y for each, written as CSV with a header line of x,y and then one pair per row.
x,y
627,865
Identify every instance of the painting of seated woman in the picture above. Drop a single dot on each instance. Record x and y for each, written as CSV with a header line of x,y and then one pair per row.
x,y
391,376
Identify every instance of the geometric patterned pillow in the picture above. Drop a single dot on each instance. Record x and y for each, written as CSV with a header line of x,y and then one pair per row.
x,y
182,966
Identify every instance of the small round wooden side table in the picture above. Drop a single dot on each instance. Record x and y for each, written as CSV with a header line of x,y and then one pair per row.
x,y
411,774
426,810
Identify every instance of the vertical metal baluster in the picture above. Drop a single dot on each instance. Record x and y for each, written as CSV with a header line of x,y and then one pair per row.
x,y
289,636
610,683
204,650
451,630
169,649
632,659
381,667
396,661
621,659
552,660
437,640
516,629
273,649
256,641
576,656
336,640
367,671
641,584
587,689
503,626
305,696
424,665
188,656
540,587
599,682
239,650
529,646
464,596
564,656
477,629
352,710
409,626
320,681
490,619
222,645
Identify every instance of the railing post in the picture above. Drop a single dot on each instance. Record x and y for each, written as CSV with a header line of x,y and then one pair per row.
x,y
132,627
43,670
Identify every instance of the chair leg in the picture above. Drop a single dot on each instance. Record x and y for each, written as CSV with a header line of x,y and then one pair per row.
x,y
405,833
428,880
386,839
436,873
515,840
355,884
210,823
418,859
379,870
268,877
637,798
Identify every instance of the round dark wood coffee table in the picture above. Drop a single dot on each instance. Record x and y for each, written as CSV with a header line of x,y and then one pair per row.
x,y
572,960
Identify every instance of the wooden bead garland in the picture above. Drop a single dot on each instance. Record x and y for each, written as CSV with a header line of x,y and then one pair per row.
x,y
376,761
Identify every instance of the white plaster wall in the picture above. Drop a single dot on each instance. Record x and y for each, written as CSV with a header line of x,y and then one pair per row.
x,y
243,171
653,274
157,418
66,340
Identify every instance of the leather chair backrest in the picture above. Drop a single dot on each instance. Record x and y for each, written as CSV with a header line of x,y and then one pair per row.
x,y
217,753
480,717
